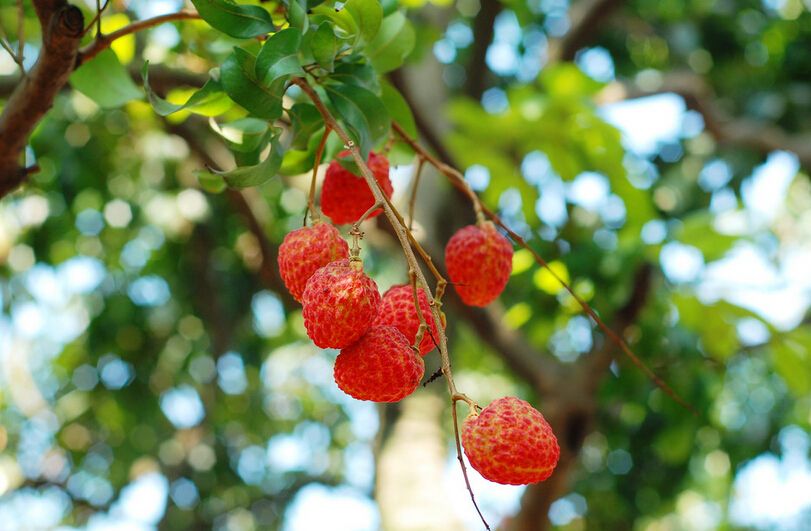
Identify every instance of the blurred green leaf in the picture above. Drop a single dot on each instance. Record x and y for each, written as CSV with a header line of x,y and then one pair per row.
x,y
791,356
697,230
210,95
104,80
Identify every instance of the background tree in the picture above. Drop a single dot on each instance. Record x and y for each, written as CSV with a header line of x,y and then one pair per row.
x,y
156,371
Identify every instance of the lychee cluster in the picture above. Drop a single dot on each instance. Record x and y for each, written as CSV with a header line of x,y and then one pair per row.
x,y
382,339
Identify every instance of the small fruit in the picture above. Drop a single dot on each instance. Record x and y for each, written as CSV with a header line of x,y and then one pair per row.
x,y
340,302
510,442
307,249
381,366
479,261
397,309
345,196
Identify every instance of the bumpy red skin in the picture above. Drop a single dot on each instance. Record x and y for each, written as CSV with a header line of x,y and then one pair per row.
x,y
381,366
340,303
479,261
510,443
307,249
397,309
346,196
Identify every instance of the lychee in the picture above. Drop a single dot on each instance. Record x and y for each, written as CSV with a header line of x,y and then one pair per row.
x,y
398,310
381,366
346,196
307,249
479,262
340,302
510,442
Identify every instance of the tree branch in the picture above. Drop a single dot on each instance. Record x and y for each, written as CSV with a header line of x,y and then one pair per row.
x,y
103,42
62,26
725,129
483,28
572,412
587,16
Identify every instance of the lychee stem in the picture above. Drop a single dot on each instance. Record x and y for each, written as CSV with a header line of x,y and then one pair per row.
x,y
314,215
414,186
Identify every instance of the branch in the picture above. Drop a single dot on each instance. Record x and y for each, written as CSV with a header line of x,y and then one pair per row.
x,y
483,28
103,42
62,25
587,16
725,129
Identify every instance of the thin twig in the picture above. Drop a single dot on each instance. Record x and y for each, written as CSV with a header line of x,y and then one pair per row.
x,y
96,19
414,186
462,462
395,218
457,179
314,215
104,41
412,279
21,35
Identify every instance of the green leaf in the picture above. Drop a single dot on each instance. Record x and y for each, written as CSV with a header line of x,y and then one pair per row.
x,y
367,14
306,120
791,355
324,45
398,109
278,57
236,20
358,74
244,135
105,81
357,20
238,77
342,20
210,94
297,14
248,176
363,112
697,230
393,43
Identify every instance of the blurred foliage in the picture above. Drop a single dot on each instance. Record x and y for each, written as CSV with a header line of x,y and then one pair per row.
x,y
137,334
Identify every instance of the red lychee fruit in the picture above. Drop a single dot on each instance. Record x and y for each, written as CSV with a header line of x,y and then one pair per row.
x,y
346,196
307,249
510,442
479,262
397,309
381,366
340,302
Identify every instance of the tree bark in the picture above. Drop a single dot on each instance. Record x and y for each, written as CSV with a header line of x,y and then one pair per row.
x,y
62,26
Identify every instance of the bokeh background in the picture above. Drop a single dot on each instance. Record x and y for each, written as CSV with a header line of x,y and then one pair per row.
x,y
154,374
